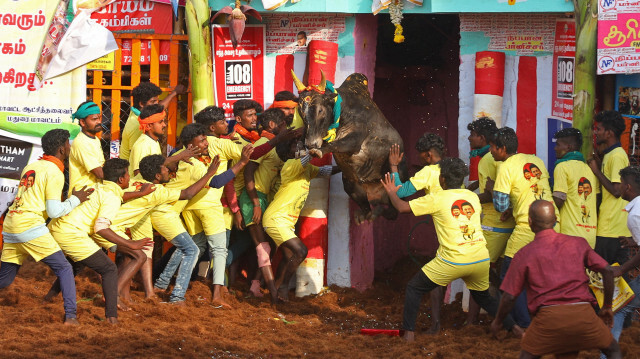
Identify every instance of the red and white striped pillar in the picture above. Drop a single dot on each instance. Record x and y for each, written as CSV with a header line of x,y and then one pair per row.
x,y
487,98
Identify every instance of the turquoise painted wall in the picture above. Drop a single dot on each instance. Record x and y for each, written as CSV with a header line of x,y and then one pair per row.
x,y
429,6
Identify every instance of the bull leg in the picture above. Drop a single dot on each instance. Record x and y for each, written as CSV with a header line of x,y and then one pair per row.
x,y
382,207
348,144
358,195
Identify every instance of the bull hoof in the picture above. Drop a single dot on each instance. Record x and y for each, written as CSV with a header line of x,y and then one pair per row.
x,y
361,217
314,152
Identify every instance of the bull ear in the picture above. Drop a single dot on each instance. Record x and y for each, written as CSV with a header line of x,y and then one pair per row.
x,y
299,85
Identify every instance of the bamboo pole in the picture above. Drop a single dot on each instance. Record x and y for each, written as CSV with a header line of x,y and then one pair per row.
x,y
586,16
197,16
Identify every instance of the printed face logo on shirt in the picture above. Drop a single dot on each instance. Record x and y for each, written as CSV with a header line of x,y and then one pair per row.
x,y
584,190
26,182
462,211
533,174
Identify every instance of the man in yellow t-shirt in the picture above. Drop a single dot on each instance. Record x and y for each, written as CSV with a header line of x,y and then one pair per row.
x,y
146,93
259,177
246,131
72,232
431,149
24,232
574,187
612,218
520,180
462,252
280,218
135,214
86,157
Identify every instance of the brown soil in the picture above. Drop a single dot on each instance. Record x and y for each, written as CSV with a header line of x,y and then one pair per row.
x,y
326,325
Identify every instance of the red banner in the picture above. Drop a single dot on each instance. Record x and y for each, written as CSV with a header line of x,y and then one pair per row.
x,y
138,16
564,53
238,73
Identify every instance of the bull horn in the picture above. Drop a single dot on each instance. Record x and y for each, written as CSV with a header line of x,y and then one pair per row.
x,y
323,82
301,87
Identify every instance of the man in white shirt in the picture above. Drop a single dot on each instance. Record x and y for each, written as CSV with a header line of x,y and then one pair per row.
x,y
630,182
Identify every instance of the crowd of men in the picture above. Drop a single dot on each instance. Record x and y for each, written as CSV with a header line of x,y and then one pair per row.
x,y
256,178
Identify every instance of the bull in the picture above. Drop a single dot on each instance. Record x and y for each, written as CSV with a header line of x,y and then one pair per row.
x,y
360,144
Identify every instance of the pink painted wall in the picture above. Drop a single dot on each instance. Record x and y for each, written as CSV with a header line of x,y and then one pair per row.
x,y
361,252
365,35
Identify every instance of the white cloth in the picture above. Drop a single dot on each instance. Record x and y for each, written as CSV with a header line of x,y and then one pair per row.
x,y
633,220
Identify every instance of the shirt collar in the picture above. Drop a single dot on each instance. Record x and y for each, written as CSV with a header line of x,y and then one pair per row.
x,y
113,187
546,233
135,111
611,148
632,204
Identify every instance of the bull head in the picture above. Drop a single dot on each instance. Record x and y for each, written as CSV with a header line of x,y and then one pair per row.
x,y
316,109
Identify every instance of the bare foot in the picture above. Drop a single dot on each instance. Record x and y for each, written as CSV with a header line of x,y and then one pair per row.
x,y
409,336
434,329
470,321
517,331
71,321
152,297
123,306
255,289
158,290
48,298
112,320
283,293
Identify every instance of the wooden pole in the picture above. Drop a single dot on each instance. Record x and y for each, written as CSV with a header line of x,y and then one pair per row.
x,y
586,16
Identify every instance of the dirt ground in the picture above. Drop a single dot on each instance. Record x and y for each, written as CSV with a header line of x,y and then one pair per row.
x,y
326,325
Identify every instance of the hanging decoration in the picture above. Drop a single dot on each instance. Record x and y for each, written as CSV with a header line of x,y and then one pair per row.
x,y
395,11
237,19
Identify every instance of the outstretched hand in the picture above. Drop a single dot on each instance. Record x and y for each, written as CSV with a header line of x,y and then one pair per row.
x,y
83,193
188,153
389,184
141,244
606,314
215,163
147,188
395,156
246,153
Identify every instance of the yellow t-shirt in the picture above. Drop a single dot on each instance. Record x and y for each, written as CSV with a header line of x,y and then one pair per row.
x,y
104,202
456,216
525,178
428,179
238,181
288,202
487,168
86,155
132,212
40,181
130,135
268,167
186,175
227,150
143,147
612,220
578,215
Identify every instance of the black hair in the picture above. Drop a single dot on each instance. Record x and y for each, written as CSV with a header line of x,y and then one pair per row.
x,y
431,141
302,33
53,140
144,92
241,105
209,115
506,137
611,121
150,166
453,170
114,169
274,115
631,175
571,135
283,149
191,131
285,96
151,110
483,126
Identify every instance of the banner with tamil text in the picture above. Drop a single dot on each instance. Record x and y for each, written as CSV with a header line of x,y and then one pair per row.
x,y
618,37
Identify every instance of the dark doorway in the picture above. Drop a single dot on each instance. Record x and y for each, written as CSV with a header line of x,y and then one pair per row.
x,y
416,87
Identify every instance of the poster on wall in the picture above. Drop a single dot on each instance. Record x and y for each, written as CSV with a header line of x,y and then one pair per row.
x,y
618,37
15,154
524,34
628,95
24,108
291,33
238,73
564,52
144,16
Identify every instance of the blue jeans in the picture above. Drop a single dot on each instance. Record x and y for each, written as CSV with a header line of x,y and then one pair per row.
x,y
217,244
184,257
520,312
61,268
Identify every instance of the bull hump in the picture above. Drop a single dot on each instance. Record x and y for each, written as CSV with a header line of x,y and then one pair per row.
x,y
356,83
